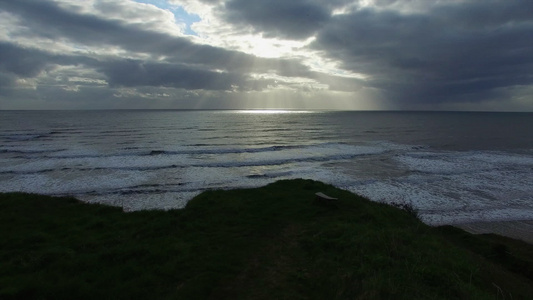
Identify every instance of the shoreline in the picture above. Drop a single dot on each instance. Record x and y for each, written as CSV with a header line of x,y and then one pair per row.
x,y
521,230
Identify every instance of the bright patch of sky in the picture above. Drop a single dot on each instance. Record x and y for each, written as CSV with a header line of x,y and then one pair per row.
x,y
179,12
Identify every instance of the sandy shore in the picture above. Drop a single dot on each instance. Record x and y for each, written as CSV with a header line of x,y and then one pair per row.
x,y
522,230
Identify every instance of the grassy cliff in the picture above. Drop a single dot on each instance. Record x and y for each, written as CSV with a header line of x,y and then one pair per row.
x,y
274,242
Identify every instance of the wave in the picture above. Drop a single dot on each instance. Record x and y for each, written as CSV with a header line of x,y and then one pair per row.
x,y
462,162
64,153
270,175
30,151
42,166
23,136
33,135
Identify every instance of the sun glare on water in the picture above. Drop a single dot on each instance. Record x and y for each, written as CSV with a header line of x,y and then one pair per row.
x,y
273,111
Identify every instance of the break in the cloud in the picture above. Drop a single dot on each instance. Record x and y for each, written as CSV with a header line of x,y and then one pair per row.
x,y
340,54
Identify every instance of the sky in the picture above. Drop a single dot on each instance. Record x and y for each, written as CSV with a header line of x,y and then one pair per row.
x,y
472,55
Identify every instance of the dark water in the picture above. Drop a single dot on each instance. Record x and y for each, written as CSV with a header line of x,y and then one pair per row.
x,y
455,167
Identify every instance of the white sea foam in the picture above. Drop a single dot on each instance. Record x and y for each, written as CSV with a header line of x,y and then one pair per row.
x,y
458,187
68,183
456,162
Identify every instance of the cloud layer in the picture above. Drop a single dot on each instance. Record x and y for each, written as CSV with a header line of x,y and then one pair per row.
x,y
448,52
340,54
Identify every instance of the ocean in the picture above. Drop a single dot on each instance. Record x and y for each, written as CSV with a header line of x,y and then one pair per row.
x,y
454,167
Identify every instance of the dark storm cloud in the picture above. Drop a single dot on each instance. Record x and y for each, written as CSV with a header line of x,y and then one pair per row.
x,y
21,62
27,63
18,62
455,50
132,73
6,82
295,19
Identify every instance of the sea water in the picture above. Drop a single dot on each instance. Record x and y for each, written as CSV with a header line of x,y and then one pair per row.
x,y
454,167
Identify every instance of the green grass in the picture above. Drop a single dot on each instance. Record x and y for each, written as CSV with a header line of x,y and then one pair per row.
x,y
273,242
